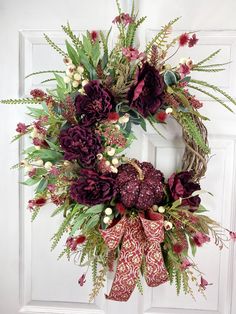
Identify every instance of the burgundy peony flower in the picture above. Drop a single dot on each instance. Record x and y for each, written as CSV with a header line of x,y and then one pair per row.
x,y
147,94
181,186
141,186
95,105
80,143
92,188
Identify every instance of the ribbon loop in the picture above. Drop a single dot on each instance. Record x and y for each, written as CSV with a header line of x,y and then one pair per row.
x,y
140,237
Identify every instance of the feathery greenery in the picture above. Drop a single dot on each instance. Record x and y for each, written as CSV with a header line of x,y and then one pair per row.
x,y
55,46
191,128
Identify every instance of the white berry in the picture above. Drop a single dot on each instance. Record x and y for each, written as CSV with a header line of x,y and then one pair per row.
x,y
108,211
115,161
169,110
84,82
111,151
77,77
106,220
66,79
161,209
80,69
114,169
48,165
168,225
75,84
38,163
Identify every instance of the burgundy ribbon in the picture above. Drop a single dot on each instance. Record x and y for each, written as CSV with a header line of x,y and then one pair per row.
x,y
141,237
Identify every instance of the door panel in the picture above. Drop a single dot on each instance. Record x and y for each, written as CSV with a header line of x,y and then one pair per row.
x,y
31,278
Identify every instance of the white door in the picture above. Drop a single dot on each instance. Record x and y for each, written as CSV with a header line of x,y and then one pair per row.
x,y
31,279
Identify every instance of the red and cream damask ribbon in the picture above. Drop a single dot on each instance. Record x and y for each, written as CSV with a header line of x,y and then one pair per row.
x,y
141,237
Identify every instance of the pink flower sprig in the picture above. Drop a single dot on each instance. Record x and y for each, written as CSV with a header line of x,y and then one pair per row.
x,y
185,39
133,54
204,283
123,18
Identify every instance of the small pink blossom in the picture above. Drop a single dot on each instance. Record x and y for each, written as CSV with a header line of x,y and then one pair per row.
x,y
183,39
54,171
184,70
51,188
38,142
94,36
232,235
21,128
124,18
133,54
82,280
32,173
185,264
204,283
73,242
192,41
200,238
31,204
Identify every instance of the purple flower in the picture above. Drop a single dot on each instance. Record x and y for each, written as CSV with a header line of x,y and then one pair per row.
x,y
95,105
181,186
80,143
146,95
92,188
124,18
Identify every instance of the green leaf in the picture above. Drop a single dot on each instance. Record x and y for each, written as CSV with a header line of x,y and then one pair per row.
x,y
93,221
31,181
87,45
95,209
52,145
201,209
96,53
176,203
48,155
170,78
72,53
42,185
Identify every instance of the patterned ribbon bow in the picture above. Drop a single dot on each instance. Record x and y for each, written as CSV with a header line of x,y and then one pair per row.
x,y
140,237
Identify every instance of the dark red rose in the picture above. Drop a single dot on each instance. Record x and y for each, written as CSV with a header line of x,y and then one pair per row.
x,y
140,188
92,188
147,94
80,143
181,186
95,105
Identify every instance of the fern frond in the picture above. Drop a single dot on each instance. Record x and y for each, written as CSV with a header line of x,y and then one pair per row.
x,y
55,46
94,270
118,6
68,31
99,283
178,281
212,55
62,229
66,252
44,72
210,95
212,65
161,37
48,80
216,88
20,101
139,286
190,127
35,213
207,70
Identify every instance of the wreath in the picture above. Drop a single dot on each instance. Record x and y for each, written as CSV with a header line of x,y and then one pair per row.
x,y
116,210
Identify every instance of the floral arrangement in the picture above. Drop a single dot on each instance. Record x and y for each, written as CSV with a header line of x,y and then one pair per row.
x,y
117,209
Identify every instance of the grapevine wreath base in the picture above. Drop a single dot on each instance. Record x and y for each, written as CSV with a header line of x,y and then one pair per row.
x,y
115,208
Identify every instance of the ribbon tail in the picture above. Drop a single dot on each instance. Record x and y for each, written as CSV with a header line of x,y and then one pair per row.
x,y
155,271
129,263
